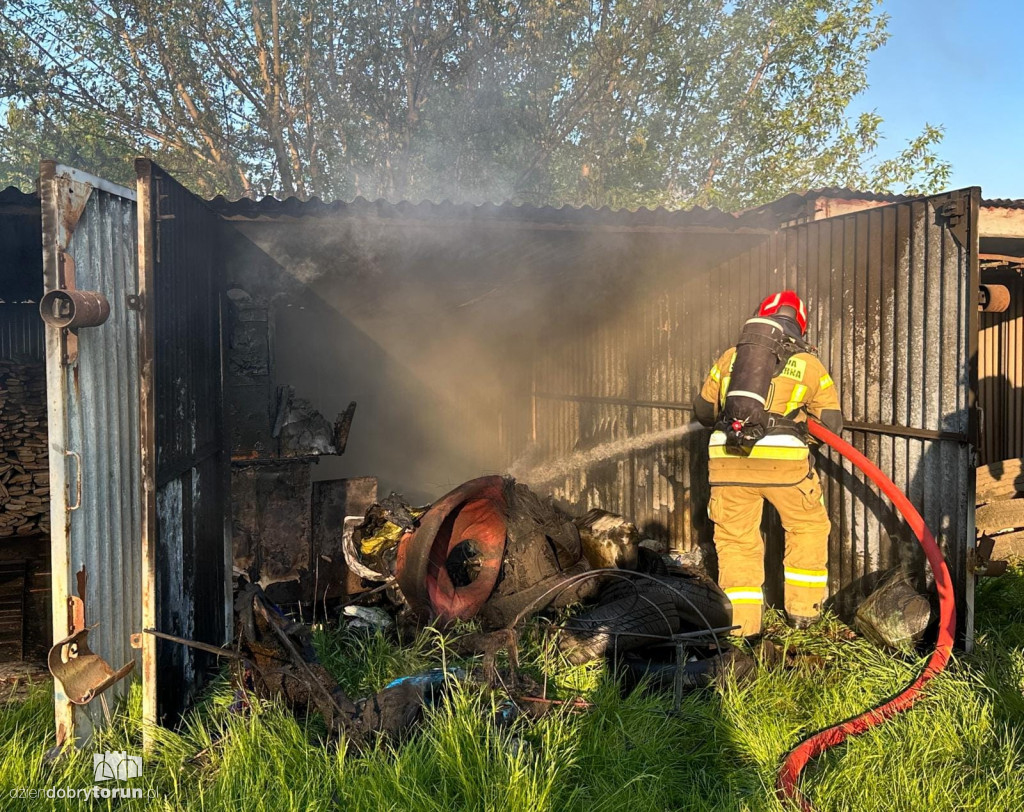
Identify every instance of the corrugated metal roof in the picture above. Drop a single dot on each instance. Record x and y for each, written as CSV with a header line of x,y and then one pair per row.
x,y
546,216
13,197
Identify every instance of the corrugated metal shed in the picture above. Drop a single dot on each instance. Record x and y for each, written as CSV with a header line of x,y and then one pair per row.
x,y
999,218
12,198
443,306
846,193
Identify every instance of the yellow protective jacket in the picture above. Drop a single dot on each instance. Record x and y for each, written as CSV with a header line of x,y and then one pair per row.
x,y
780,457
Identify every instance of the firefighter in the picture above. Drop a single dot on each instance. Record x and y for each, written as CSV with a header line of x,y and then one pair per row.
x,y
759,450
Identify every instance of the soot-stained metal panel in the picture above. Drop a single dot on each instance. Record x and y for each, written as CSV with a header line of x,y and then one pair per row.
x,y
185,466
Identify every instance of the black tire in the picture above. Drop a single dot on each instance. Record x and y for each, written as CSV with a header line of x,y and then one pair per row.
x,y
620,625
696,674
699,602
663,674
650,562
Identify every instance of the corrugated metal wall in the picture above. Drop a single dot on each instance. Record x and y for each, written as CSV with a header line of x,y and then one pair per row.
x,y
188,516
21,332
21,276
893,299
1001,374
93,406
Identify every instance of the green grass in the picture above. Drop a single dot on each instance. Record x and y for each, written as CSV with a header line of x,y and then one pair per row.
x,y
960,748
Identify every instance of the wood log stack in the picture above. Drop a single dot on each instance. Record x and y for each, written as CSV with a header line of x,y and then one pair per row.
x,y
999,516
24,458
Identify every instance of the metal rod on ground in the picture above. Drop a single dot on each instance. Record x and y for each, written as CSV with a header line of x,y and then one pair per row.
x,y
220,652
665,638
677,681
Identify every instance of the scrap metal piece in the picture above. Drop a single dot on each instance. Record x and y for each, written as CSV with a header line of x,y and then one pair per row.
x,y
83,674
196,644
980,561
333,500
342,427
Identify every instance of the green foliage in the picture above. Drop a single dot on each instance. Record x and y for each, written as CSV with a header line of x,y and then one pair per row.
x,y
618,102
959,748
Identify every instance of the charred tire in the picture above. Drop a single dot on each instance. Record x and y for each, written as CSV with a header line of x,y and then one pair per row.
x,y
650,562
994,299
620,625
699,603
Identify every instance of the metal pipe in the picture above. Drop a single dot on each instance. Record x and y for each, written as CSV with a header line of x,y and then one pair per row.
x,y
71,309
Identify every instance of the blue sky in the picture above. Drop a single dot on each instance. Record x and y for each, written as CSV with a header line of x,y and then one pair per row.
x,y
958,64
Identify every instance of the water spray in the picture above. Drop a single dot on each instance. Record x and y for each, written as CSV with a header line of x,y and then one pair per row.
x,y
549,472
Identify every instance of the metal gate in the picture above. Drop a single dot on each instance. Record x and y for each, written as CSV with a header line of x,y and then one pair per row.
x,y
186,522
893,298
92,375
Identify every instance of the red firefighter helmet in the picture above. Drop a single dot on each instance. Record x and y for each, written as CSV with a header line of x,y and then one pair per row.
x,y
787,298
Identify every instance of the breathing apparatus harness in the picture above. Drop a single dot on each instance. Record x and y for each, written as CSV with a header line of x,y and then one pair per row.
x,y
762,351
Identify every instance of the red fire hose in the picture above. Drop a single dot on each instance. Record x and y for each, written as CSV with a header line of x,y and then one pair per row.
x,y
816,744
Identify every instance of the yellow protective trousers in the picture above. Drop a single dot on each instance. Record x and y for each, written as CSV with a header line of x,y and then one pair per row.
x,y
736,512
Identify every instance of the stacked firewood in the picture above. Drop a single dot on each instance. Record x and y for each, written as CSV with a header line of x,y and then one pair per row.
x,y
24,464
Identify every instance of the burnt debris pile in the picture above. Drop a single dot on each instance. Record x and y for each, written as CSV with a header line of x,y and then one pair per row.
x,y
486,562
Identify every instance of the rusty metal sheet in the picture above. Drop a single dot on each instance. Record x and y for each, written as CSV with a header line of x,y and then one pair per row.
x,y
271,506
89,227
186,523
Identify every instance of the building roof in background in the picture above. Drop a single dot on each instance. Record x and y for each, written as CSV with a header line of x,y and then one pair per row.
x,y
826,201
845,193
1000,222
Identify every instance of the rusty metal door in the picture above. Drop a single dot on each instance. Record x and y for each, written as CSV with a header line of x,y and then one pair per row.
x,y
185,518
92,381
